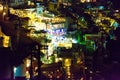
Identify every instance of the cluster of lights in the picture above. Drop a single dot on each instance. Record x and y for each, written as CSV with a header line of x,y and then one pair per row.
x,y
55,30
56,74
58,32
58,20
88,1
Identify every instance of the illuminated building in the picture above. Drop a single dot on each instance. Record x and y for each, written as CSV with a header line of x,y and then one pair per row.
x,y
61,37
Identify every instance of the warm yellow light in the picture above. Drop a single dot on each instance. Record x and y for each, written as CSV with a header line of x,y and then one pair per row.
x,y
67,62
58,19
1,7
29,2
4,13
5,7
31,15
6,41
87,0
82,1
12,11
27,72
28,63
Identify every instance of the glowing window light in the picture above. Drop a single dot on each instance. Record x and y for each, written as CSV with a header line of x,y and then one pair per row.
x,y
1,7
67,62
27,72
87,0
5,7
29,2
28,63
82,1
4,13
6,41
40,26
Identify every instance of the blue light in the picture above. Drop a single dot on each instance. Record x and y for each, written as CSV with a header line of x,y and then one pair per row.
x,y
74,41
115,24
101,7
19,71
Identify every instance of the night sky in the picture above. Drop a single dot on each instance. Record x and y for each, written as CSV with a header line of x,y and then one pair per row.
x,y
116,4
